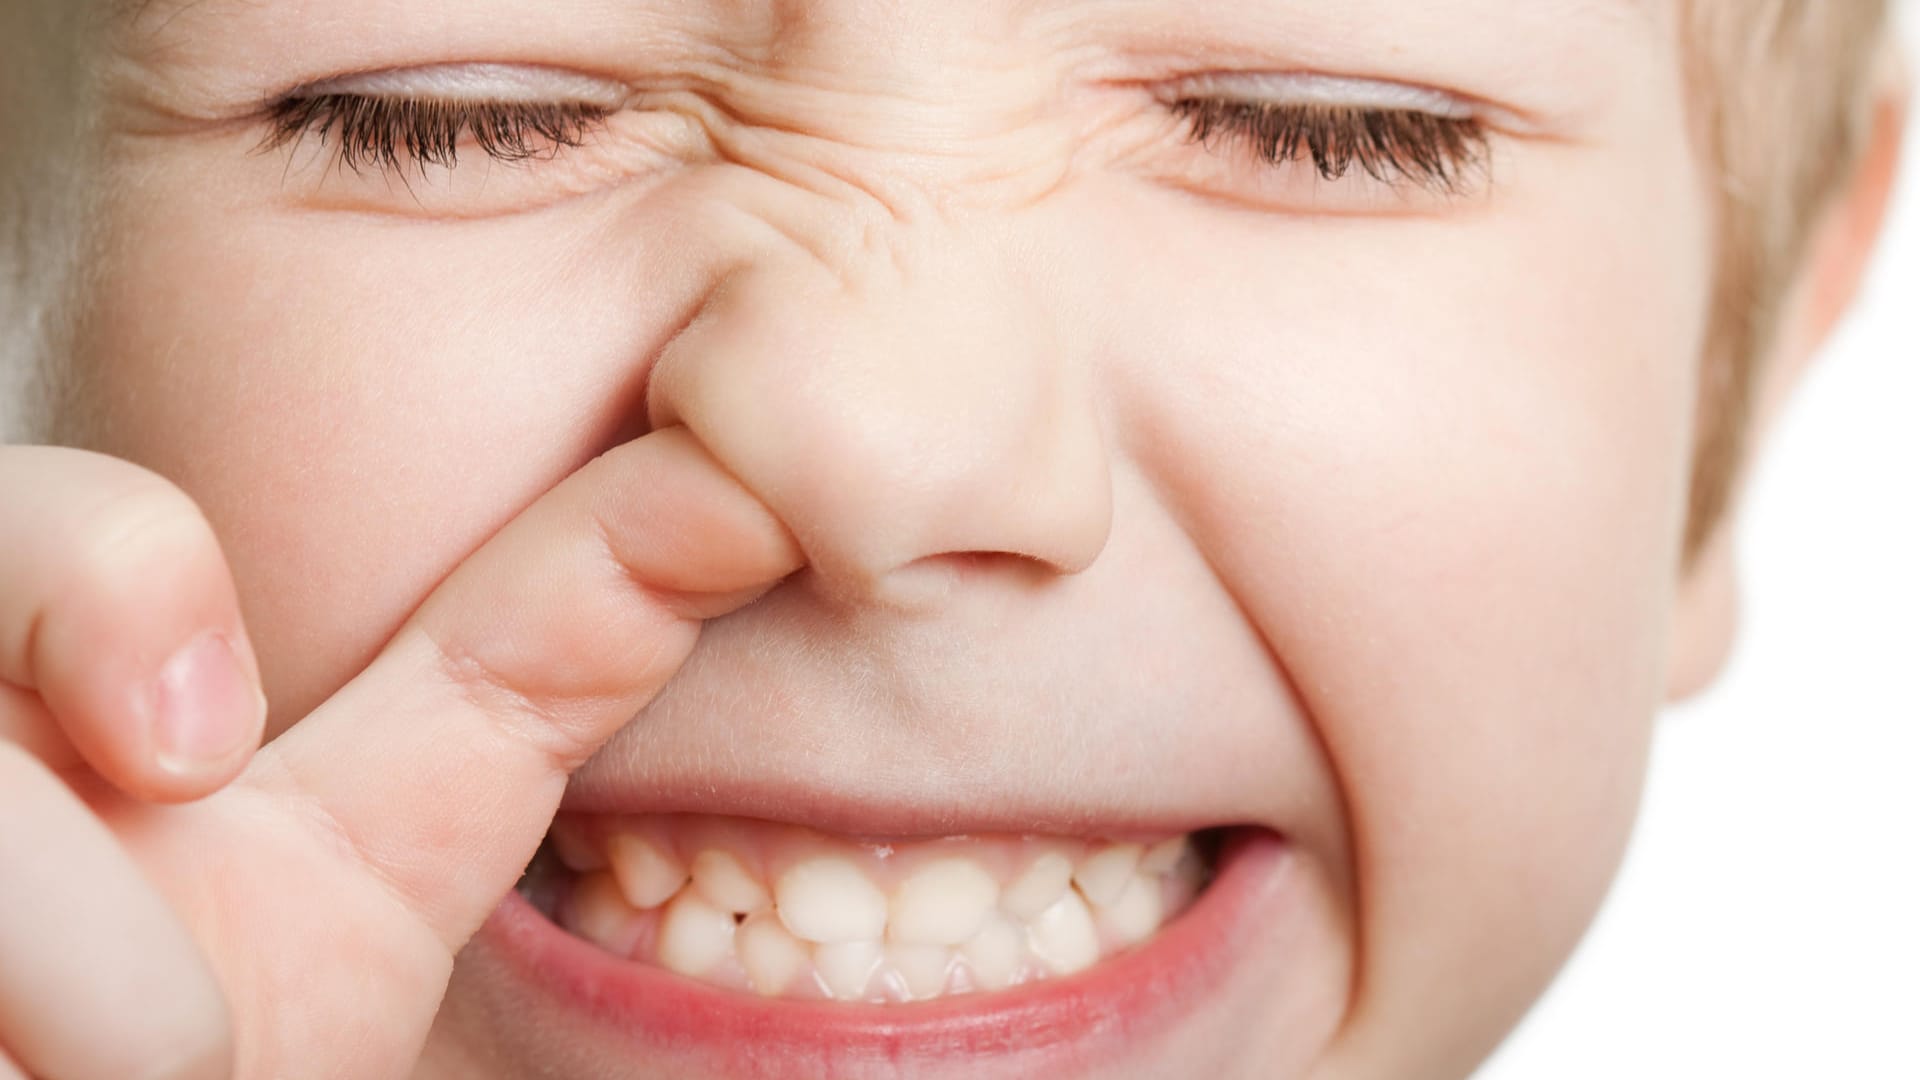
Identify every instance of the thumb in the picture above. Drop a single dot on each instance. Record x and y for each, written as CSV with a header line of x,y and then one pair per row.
x,y
441,765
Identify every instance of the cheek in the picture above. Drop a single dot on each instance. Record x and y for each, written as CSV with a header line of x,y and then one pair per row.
x,y
1442,465
356,405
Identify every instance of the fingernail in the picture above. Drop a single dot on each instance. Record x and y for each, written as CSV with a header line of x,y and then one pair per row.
x,y
205,706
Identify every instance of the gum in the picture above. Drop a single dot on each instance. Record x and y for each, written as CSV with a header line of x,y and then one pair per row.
x,y
769,849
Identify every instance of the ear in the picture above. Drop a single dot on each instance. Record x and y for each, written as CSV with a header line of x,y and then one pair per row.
x,y
1706,615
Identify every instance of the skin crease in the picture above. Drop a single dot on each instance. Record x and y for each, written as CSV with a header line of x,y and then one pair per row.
x,y
1349,512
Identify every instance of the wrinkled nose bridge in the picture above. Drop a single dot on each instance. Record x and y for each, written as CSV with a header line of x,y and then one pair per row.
x,y
895,417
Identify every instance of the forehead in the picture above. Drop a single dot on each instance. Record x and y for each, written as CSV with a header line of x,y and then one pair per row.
x,y
1557,50
153,16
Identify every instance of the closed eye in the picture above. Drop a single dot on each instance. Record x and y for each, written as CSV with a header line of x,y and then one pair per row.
x,y
391,133
1390,145
1418,141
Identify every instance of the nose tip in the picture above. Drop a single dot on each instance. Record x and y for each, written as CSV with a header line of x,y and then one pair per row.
x,y
911,438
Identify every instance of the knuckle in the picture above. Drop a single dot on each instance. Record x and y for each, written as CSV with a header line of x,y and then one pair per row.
x,y
516,713
202,1050
130,528
185,1035
139,545
554,710
94,542
190,1034
97,503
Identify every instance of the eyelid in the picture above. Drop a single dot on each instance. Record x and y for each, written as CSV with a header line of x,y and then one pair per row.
x,y
1314,89
491,83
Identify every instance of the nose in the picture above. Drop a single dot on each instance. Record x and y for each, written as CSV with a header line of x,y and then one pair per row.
x,y
905,418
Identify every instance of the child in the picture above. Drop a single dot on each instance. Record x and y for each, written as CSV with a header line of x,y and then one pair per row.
x,y
988,540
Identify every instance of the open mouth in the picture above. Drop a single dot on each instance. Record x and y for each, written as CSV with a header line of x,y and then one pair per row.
x,y
782,911
794,952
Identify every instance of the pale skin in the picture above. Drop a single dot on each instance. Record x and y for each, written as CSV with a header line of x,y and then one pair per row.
x,y
1350,512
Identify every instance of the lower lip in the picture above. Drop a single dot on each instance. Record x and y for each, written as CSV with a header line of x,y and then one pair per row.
x,y
1078,1022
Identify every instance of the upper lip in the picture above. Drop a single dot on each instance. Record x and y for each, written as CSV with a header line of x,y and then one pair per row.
x,y
872,724
877,815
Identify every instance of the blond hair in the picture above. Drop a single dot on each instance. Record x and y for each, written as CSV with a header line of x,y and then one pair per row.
x,y
1785,92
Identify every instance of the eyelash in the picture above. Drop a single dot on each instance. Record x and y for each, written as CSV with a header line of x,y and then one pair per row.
x,y
393,133
1392,146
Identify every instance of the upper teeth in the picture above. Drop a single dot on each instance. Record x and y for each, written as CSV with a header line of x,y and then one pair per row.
x,y
648,875
723,881
829,901
944,903
782,912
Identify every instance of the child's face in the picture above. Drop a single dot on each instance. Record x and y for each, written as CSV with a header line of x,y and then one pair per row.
x,y
1148,486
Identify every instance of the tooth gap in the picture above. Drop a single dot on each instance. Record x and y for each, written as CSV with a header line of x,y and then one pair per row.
x,y
1209,844
545,881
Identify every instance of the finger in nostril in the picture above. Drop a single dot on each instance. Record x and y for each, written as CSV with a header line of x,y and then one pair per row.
x,y
926,584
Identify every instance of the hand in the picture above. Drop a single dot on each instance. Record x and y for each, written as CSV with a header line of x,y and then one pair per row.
x,y
301,917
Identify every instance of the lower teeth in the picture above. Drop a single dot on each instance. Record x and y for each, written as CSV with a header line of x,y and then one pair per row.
x,y
830,920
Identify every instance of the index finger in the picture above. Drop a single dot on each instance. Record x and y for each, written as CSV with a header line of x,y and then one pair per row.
x,y
442,764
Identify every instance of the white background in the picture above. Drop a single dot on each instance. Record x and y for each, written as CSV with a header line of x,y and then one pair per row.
x,y
1767,922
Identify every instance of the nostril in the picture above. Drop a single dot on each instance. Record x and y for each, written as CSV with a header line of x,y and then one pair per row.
x,y
964,566
913,589
926,584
